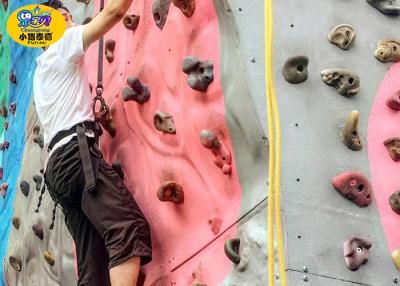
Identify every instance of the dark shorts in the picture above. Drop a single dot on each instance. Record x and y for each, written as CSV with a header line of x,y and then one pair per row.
x,y
107,225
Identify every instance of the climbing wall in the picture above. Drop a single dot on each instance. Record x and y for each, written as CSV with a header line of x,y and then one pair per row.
x,y
187,94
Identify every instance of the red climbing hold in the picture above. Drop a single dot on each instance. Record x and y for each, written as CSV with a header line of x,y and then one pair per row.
x,y
1,173
186,6
5,125
356,252
109,48
4,145
131,22
13,76
222,157
5,4
355,187
170,191
215,224
394,101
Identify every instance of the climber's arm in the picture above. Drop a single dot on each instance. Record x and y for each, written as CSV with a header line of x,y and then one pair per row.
x,y
104,21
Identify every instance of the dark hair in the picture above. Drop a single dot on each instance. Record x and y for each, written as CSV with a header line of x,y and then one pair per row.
x,y
56,4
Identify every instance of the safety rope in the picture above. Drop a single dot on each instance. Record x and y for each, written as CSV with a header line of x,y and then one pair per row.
x,y
99,88
274,132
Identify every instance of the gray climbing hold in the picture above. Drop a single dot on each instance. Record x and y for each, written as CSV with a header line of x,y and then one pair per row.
x,y
16,222
295,69
38,180
136,91
16,263
231,248
200,73
131,22
38,230
24,185
342,36
164,121
346,82
160,10
388,51
394,202
351,135
387,7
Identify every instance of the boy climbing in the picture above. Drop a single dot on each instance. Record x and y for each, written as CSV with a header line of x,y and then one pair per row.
x,y
111,234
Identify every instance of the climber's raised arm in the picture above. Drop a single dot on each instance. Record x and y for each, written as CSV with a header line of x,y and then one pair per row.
x,y
112,13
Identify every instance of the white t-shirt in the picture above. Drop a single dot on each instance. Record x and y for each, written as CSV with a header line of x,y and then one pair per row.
x,y
60,86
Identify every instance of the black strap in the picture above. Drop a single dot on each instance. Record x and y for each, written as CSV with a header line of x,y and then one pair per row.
x,y
90,183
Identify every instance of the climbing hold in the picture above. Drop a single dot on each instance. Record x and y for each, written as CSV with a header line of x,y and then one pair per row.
x,y
215,224
394,101
200,73
3,111
356,252
186,6
387,7
351,136
13,76
231,249
342,36
354,186
170,191
13,108
37,137
346,82
295,69
1,173
164,121
24,185
48,256
118,169
136,91
5,125
84,1
4,145
388,51
394,202
3,189
160,10
38,180
222,157
198,284
38,230
107,121
109,48
16,263
131,22
393,147
396,258
16,222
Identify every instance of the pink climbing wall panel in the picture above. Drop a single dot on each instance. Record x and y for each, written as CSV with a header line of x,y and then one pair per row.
x,y
150,157
383,124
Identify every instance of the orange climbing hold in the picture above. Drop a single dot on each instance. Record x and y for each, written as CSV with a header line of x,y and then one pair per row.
x,y
170,191
48,256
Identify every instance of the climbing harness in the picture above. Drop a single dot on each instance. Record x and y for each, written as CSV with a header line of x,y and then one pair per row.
x,y
274,133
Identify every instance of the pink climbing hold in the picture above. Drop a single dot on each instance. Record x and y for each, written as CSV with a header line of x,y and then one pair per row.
x,y
394,101
222,157
355,187
356,252
215,224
